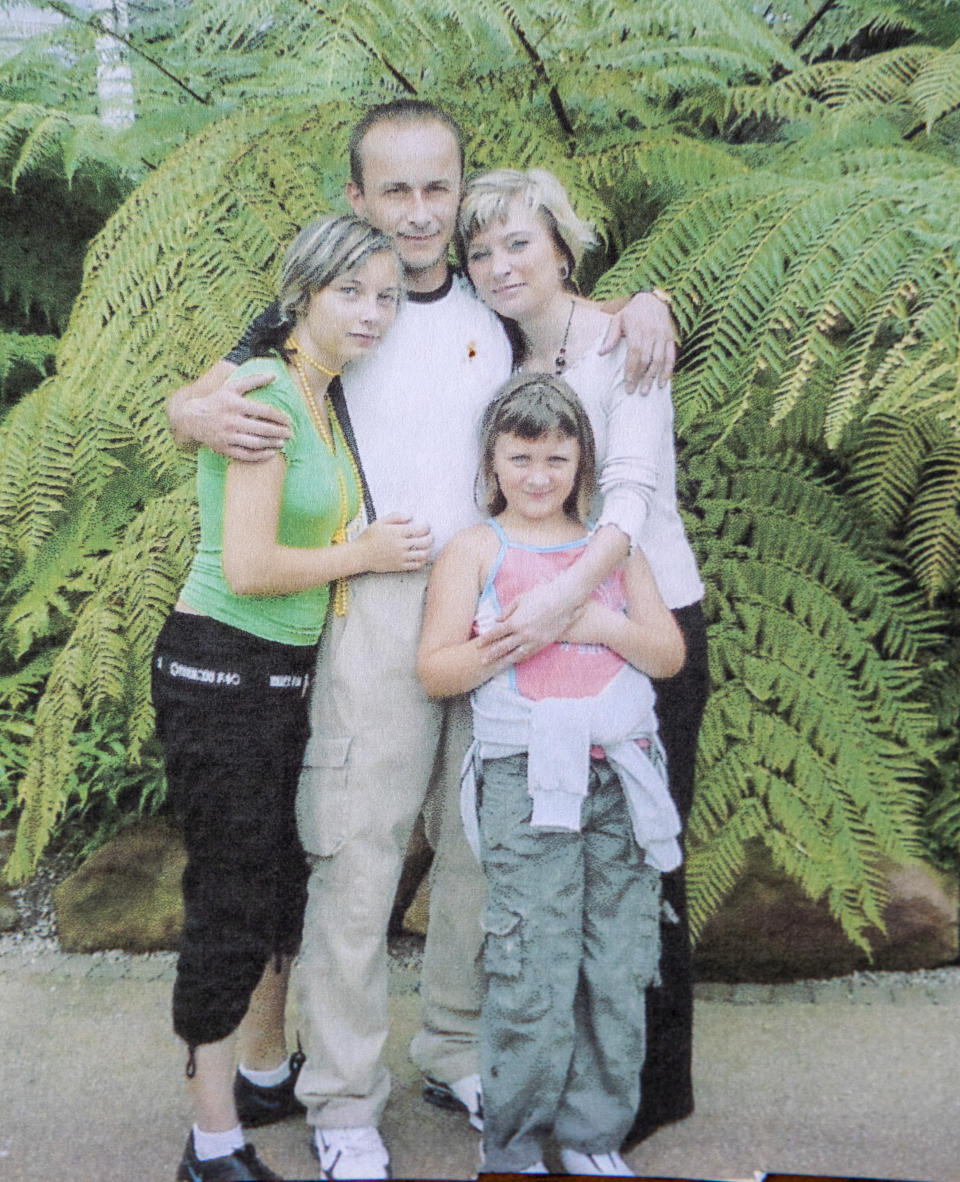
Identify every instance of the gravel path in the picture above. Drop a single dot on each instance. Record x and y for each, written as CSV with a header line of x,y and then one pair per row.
x,y
34,901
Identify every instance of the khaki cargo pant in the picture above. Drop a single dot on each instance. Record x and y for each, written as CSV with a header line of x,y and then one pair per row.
x,y
379,751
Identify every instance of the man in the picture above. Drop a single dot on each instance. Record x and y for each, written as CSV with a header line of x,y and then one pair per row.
x,y
380,749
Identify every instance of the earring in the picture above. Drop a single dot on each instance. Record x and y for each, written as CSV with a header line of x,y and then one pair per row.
x,y
564,272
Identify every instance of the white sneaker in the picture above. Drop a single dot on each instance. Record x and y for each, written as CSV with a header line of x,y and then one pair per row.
x,y
462,1095
610,1164
351,1153
537,1168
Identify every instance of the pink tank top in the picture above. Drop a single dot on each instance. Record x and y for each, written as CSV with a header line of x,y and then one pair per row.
x,y
560,670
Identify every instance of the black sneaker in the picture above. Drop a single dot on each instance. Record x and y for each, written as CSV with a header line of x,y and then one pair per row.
x,y
257,1106
239,1166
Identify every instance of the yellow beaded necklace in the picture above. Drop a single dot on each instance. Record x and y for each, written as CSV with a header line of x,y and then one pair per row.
x,y
317,365
323,422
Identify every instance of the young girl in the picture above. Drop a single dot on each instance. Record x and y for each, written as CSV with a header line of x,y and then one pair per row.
x,y
565,795
231,676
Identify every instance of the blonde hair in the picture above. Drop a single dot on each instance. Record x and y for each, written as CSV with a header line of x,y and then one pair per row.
x,y
322,252
530,406
488,198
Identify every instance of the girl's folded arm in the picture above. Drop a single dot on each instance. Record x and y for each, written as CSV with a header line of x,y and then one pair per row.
x,y
449,660
655,642
647,636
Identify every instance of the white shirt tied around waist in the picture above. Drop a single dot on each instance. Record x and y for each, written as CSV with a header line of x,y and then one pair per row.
x,y
557,734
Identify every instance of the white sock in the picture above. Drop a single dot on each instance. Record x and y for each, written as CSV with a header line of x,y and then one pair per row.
x,y
267,1079
209,1145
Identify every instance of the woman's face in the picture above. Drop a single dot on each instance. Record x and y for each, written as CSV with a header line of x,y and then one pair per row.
x,y
347,319
515,264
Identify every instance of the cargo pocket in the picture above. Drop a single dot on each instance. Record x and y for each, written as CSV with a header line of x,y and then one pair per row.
x,y
323,812
651,915
502,946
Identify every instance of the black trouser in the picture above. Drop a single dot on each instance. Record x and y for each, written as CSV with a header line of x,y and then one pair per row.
x,y
232,718
666,1084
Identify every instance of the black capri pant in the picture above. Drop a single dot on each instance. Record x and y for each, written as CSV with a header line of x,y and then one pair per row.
x,y
232,719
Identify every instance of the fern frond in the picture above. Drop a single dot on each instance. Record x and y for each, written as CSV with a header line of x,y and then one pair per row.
x,y
885,468
933,525
815,738
105,662
936,88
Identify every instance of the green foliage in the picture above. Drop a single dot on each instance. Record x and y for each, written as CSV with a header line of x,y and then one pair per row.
x,y
797,196
828,285
106,788
103,790
942,815
48,223
851,28
814,648
55,194
915,87
103,669
16,734
23,358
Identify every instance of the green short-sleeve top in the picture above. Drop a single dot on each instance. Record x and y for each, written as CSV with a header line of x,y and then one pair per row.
x,y
311,511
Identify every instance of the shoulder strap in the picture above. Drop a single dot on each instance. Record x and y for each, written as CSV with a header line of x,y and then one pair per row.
x,y
498,530
339,404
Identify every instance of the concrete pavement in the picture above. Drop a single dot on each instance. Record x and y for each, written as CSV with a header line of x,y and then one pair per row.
x,y
850,1078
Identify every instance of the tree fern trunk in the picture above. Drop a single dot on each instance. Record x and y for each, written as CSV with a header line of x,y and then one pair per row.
x,y
114,76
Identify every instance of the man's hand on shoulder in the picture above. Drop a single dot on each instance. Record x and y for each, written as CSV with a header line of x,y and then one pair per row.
x,y
214,412
651,338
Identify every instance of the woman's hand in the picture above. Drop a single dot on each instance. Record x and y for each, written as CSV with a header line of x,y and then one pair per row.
x,y
395,543
651,338
533,620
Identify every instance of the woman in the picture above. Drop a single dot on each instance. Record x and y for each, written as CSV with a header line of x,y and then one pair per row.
x,y
521,242
231,678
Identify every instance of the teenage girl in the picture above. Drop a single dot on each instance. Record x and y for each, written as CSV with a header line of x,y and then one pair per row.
x,y
231,677
566,795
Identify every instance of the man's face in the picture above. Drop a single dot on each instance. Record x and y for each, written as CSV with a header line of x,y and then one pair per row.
x,y
411,189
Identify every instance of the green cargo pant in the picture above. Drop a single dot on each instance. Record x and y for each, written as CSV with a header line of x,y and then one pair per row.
x,y
572,925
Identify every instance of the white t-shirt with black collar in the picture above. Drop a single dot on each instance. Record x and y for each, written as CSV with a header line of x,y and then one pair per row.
x,y
415,406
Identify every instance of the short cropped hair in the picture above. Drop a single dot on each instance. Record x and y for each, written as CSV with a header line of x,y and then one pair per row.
x,y
488,198
400,111
531,405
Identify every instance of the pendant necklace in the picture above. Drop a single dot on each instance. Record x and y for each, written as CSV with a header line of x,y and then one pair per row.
x,y
560,361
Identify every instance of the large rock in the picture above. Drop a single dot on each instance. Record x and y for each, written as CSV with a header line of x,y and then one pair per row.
x,y
768,930
9,913
127,895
